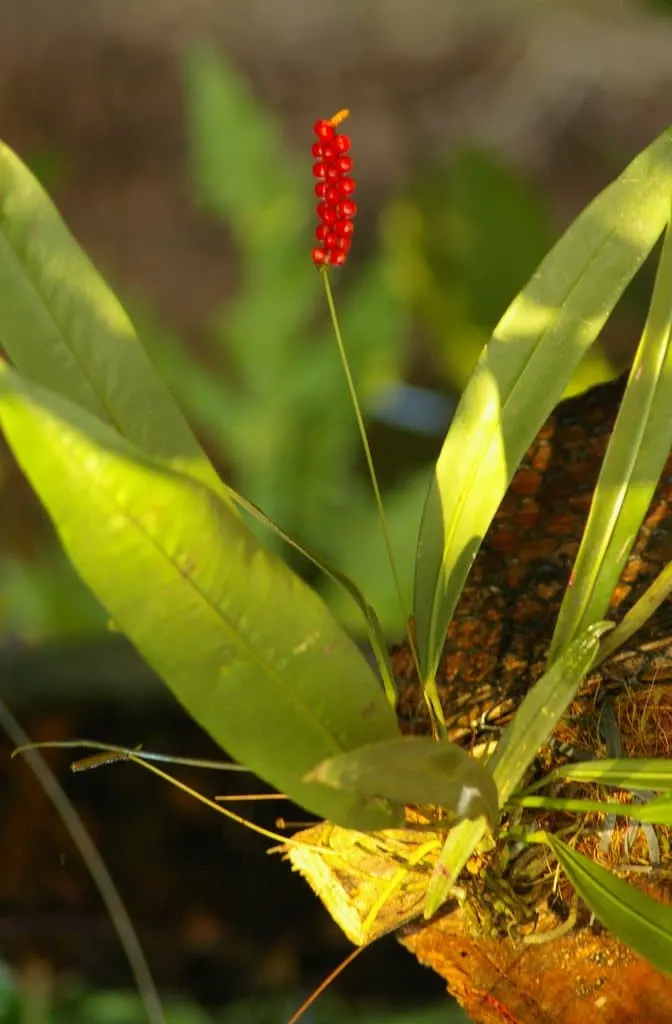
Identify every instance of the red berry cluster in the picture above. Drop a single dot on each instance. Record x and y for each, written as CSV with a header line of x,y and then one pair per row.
x,y
335,209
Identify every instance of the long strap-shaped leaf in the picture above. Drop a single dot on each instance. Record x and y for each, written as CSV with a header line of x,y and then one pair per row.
x,y
640,922
61,326
252,653
623,773
522,374
638,448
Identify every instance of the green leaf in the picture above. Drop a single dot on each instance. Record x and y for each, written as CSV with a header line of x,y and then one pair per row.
x,y
622,773
637,920
641,611
250,651
415,770
368,612
638,449
521,375
542,709
658,811
532,725
655,812
63,328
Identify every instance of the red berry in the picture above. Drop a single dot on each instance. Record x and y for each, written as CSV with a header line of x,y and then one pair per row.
x,y
324,130
344,228
327,213
347,209
336,209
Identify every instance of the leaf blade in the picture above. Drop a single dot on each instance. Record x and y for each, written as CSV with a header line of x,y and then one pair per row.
x,y
633,917
234,633
531,727
415,770
522,374
636,454
62,326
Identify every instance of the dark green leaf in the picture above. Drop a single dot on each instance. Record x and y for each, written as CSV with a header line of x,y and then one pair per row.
x,y
637,920
415,770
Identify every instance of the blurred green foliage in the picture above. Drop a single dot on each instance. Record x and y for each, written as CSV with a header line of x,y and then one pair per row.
x,y
40,998
468,237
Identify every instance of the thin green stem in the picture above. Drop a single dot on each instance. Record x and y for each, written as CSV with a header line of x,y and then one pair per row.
x,y
127,754
431,694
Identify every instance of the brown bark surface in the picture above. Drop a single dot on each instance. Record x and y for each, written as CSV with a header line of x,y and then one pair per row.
x,y
585,977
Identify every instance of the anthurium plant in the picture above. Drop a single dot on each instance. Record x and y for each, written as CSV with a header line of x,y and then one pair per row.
x,y
166,547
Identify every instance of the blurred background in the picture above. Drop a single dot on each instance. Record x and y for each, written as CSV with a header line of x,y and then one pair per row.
x,y
174,136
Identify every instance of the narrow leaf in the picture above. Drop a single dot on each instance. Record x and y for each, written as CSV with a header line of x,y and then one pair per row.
x,y
641,611
63,328
530,729
638,449
655,812
622,773
415,770
640,922
250,651
523,372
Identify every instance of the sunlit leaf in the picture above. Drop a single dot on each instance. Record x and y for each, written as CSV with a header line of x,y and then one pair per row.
x,y
415,770
655,812
636,919
622,773
251,652
638,449
63,328
523,372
